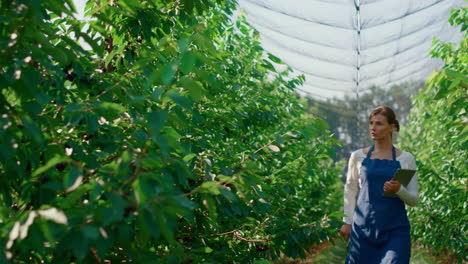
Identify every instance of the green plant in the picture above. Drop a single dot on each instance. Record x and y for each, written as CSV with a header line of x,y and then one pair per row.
x,y
172,139
437,135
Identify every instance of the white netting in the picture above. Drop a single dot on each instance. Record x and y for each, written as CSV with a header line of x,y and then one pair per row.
x,y
346,46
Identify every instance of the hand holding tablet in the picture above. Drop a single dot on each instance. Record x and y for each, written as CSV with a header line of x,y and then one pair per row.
x,y
404,176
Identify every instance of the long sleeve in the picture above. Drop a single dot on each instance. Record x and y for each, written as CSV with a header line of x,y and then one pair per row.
x,y
351,188
410,193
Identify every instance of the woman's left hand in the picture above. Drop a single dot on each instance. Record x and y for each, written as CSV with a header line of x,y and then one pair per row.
x,y
392,186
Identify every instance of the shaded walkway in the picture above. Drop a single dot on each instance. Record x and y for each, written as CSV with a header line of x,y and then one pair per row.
x,y
336,253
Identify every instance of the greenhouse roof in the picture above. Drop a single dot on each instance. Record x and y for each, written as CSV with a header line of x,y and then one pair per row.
x,y
344,47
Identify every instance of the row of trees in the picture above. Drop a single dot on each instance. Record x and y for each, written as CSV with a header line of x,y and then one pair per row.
x,y
437,134
172,139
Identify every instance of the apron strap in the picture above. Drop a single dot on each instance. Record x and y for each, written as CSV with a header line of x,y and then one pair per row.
x,y
370,152
393,153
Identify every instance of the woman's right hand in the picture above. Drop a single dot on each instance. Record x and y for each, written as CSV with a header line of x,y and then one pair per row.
x,y
345,231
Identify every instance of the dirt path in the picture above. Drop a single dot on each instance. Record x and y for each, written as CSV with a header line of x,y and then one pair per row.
x,y
336,253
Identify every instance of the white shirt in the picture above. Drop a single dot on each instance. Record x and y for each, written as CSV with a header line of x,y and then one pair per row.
x,y
408,194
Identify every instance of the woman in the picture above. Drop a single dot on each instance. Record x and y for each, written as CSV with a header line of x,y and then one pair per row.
x,y
376,226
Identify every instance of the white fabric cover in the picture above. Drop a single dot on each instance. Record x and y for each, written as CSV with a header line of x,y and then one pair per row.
x,y
346,46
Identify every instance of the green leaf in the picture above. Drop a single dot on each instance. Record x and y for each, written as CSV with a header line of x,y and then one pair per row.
x,y
171,133
168,72
142,190
211,187
110,57
33,130
147,222
156,95
181,100
442,91
187,63
268,66
71,177
189,157
183,44
140,135
73,107
116,210
195,88
92,42
157,120
79,245
51,163
90,232
274,58
166,231
112,107
92,123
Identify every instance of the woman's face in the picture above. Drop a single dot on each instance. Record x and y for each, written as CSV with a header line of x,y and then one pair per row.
x,y
379,128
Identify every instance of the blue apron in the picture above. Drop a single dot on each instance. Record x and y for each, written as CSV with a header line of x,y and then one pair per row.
x,y
380,232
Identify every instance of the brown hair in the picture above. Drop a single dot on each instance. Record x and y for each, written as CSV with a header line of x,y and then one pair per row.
x,y
388,113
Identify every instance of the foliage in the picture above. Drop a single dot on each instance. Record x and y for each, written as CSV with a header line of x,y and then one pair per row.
x,y
172,139
437,134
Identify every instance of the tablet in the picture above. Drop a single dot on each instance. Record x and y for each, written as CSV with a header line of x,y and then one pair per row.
x,y
404,176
